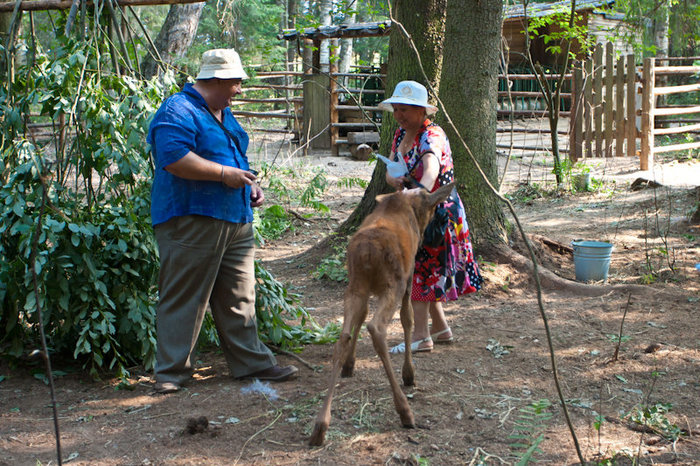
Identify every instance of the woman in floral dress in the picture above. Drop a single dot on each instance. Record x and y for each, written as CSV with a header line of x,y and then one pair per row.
x,y
445,272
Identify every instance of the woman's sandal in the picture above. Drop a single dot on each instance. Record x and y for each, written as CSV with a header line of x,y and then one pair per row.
x,y
447,340
415,347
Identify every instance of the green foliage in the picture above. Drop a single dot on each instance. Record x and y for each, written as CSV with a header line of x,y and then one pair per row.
x,y
251,27
529,430
276,307
654,417
311,195
350,182
556,29
272,222
528,192
333,267
615,338
684,25
95,256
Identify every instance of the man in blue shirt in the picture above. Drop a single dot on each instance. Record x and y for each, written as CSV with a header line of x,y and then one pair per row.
x,y
201,207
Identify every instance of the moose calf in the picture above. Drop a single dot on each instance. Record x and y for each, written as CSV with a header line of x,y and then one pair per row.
x,y
381,258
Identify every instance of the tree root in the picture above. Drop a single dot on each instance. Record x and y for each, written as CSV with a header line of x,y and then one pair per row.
x,y
553,282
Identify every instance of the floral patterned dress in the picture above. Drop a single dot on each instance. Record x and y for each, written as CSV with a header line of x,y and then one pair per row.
x,y
450,270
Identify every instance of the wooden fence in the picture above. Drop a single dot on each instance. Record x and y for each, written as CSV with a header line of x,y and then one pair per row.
x,y
614,102
651,111
604,106
285,104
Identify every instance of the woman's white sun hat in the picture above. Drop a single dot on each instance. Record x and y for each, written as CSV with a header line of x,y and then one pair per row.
x,y
409,93
222,64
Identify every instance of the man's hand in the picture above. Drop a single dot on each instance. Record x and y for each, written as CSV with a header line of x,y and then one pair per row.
x,y
257,197
236,178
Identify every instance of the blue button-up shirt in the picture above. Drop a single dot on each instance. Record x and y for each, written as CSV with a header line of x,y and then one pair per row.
x,y
182,124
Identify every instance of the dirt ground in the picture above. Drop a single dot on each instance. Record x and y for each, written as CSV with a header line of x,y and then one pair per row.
x,y
471,396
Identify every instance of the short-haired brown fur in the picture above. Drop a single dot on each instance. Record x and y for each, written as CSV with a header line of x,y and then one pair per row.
x,y
381,258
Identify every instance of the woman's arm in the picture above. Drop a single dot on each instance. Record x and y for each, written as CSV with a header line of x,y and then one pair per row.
x,y
431,170
194,167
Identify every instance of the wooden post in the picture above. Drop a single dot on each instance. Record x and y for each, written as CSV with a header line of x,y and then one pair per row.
x,y
646,158
619,134
316,62
307,84
598,99
609,99
576,120
333,93
631,121
588,108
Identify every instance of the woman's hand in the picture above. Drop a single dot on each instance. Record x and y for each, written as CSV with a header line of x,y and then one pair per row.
x,y
396,183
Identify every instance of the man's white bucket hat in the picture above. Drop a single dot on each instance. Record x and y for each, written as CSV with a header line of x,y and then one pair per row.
x,y
222,64
409,93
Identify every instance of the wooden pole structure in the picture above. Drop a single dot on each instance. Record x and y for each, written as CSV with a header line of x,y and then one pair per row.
x,y
631,120
609,99
619,107
333,92
588,108
40,5
598,99
576,120
646,158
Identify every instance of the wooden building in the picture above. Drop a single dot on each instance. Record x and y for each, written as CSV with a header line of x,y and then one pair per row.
x,y
602,25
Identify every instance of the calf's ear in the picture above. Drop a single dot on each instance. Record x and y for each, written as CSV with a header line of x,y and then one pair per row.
x,y
441,194
380,197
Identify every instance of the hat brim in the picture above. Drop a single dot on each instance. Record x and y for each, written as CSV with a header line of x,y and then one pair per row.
x,y
233,73
386,105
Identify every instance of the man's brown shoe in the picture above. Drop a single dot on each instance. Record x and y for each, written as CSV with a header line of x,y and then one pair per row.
x,y
275,373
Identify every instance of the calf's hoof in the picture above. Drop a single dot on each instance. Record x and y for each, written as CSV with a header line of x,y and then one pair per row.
x,y
318,436
407,420
408,381
347,371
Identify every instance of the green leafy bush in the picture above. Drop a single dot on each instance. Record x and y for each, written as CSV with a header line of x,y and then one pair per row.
x,y
96,259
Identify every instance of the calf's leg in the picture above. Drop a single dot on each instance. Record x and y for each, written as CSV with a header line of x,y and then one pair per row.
x,y
343,354
357,304
407,371
377,328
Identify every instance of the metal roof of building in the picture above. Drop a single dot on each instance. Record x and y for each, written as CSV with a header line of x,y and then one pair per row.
x,y
537,10
383,27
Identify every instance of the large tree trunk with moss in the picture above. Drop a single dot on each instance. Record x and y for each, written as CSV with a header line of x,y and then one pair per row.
x,y
468,89
424,20
174,38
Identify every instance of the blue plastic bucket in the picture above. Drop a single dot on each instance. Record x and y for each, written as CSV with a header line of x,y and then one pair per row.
x,y
591,260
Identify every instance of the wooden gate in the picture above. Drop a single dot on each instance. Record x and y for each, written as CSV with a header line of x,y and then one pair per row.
x,y
614,103
604,106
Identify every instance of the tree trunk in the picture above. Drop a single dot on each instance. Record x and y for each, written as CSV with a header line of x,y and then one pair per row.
x,y
292,9
346,44
11,50
661,23
326,20
424,20
174,38
468,89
